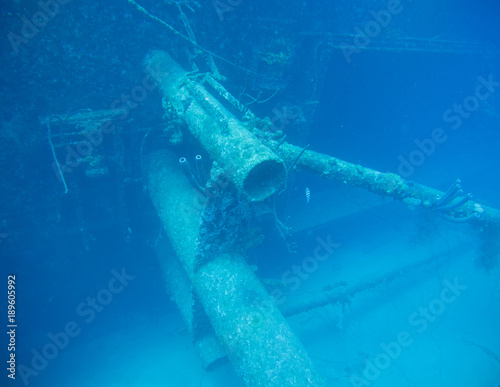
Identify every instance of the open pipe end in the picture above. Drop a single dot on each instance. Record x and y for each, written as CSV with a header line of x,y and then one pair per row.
x,y
264,179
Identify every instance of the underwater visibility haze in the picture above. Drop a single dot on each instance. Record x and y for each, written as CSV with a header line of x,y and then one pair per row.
x,y
250,193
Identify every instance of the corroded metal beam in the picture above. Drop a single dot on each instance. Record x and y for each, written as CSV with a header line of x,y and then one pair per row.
x,y
385,184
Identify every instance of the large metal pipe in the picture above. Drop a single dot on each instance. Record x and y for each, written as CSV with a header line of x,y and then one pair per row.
x,y
254,169
254,334
179,207
258,341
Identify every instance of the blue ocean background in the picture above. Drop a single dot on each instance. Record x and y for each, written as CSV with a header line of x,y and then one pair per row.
x,y
370,110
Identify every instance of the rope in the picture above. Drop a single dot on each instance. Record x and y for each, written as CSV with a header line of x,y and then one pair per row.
x,y
61,176
186,38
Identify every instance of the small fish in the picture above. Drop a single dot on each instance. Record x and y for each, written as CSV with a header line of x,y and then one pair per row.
x,y
308,194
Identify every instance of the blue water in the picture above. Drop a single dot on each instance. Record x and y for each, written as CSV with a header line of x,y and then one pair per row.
x,y
404,87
